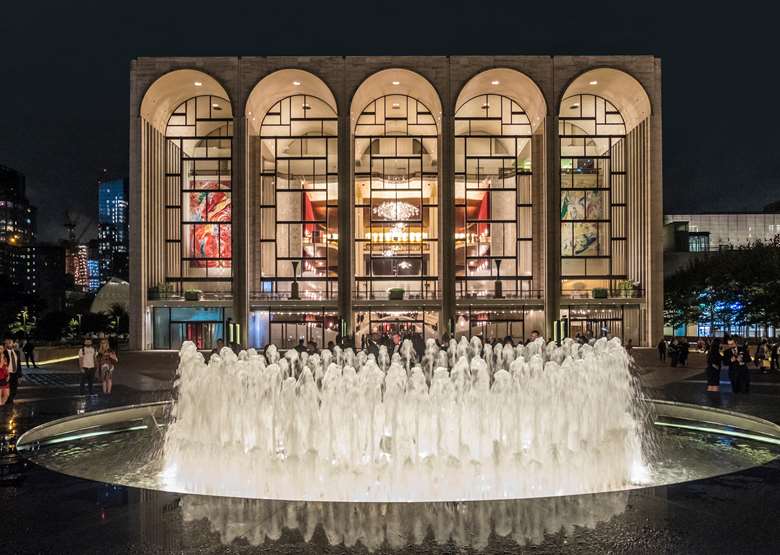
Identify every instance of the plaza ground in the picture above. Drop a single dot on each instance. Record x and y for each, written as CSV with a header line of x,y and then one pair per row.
x,y
46,512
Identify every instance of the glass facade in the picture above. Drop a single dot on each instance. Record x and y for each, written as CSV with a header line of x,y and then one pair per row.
x,y
396,200
198,195
202,326
593,196
493,199
296,201
340,190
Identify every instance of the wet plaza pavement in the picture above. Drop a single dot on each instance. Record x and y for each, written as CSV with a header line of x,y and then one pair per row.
x,y
47,512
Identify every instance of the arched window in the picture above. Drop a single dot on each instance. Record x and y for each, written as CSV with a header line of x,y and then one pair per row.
x,y
396,199
198,194
593,195
493,197
296,202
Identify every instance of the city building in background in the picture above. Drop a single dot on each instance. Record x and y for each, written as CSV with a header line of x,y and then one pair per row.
x,y
17,231
691,236
276,198
113,238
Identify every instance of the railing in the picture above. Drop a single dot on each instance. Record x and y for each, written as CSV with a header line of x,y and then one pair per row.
x,y
598,293
507,292
204,296
286,295
387,288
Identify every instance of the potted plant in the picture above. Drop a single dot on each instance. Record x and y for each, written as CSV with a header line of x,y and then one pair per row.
x,y
600,293
160,291
193,295
154,293
395,293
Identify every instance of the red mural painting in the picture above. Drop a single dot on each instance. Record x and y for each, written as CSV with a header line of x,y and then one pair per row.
x,y
211,239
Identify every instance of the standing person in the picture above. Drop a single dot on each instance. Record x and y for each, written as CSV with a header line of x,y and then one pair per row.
x,y
629,346
731,355
684,348
662,350
4,376
674,353
29,353
14,362
774,351
743,372
714,359
106,362
87,357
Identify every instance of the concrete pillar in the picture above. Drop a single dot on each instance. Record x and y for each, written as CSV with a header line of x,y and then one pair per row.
x,y
136,203
552,238
655,286
241,231
346,212
447,211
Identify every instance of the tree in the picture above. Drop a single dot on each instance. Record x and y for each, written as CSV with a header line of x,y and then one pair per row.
x,y
731,287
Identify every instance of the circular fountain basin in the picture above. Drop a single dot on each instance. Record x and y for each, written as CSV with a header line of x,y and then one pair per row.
x,y
124,446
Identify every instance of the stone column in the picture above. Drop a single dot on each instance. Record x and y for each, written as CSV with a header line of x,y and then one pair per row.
x,y
240,263
138,286
655,285
346,210
447,214
552,226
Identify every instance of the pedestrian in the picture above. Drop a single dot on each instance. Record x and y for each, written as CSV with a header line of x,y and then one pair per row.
x,y
743,371
684,348
106,363
5,388
731,355
662,350
629,346
29,353
87,356
674,353
218,349
761,355
14,361
714,359
301,346
775,351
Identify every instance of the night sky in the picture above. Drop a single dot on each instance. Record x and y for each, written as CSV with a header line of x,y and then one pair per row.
x,y
64,76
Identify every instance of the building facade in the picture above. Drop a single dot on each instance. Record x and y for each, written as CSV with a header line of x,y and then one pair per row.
x,y
113,233
17,232
273,198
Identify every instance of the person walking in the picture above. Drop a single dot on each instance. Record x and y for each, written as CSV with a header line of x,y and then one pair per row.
x,y
5,388
14,362
662,350
714,359
683,352
106,362
29,353
87,357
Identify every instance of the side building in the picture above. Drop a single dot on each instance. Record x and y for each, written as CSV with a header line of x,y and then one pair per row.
x,y
274,198
113,232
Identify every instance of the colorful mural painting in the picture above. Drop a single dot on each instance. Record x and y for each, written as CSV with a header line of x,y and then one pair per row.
x,y
211,239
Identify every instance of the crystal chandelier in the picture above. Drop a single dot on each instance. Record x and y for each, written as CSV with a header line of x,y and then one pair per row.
x,y
390,210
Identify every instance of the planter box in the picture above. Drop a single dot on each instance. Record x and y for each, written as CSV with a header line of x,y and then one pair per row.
x,y
600,293
395,294
154,294
193,295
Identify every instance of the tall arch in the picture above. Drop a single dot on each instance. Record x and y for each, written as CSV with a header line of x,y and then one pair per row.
x,y
292,123
498,124
396,120
186,189
604,200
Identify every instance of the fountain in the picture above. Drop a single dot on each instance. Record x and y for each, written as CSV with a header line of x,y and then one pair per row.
x,y
464,446
499,423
